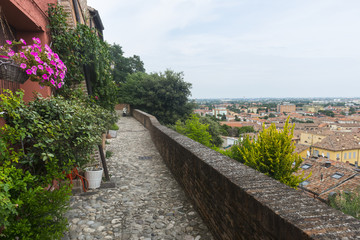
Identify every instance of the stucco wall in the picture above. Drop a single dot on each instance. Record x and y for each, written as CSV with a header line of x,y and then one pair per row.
x,y
238,202
29,19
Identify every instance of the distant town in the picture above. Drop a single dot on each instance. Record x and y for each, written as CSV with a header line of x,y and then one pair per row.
x,y
326,134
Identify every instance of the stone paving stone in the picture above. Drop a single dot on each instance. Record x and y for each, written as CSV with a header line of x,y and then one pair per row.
x,y
146,204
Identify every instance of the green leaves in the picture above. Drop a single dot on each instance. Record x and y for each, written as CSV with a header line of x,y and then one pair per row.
x,y
54,129
195,130
82,50
164,95
41,141
272,154
123,65
347,202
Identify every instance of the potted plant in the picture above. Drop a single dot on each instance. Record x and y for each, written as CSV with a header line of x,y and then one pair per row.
x,y
35,62
113,130
93,175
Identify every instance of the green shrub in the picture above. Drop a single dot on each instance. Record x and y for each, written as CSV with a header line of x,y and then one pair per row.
x,y
55,131
108,154
39,143
192,128
272,154
28,210
114,127
347,202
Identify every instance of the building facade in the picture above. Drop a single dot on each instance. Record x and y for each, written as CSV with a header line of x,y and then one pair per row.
x,y
286,107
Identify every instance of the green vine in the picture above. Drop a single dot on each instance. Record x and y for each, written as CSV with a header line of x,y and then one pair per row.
x,y
83,51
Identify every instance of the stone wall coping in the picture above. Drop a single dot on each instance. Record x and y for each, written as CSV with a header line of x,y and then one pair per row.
x,y
266,208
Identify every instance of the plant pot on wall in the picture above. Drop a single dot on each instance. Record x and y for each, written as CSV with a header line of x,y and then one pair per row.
x,y
108,136
93,176
11,71
113,133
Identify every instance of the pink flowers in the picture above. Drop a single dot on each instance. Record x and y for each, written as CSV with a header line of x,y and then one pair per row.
x,y
39,62
36,40
22,55
34,70
22,41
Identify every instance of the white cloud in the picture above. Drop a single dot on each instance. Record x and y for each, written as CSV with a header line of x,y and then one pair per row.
x,y
249,43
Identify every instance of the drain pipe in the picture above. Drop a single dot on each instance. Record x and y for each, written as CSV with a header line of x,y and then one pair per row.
x,y
76,8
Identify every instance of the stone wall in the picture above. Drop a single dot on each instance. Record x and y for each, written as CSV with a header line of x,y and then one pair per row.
x,y
237,202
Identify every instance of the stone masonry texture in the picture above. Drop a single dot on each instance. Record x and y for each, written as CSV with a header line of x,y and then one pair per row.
x,y
237,202
146,203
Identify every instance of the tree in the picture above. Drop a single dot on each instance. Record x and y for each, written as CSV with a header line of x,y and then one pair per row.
x,y
214,130
225,130
352,111
246,129
272,154
123,65
327,113
347,202
164,95
194,129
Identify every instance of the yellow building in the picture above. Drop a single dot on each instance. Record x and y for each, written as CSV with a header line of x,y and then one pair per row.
x,y
343,147
302,150
312,108
310,138
286,107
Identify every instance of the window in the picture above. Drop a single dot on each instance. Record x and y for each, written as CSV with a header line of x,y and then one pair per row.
x,y
349,155
304,183
328,155
306,166
354,154
337,175
345,155
337,156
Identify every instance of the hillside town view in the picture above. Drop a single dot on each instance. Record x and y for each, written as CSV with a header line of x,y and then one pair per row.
x,y
179,120
326,134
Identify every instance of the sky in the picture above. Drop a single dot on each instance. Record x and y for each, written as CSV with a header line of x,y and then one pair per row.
x,y
243,48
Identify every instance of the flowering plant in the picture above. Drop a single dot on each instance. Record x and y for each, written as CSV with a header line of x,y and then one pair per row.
x,y
40,62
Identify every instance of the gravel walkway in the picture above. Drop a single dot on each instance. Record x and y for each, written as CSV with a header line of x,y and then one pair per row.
x,y
147,203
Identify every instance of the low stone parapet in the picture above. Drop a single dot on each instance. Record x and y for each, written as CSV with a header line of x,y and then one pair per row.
x,y
237,202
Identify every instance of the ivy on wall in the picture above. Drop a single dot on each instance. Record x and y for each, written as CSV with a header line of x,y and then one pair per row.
x,y
86,55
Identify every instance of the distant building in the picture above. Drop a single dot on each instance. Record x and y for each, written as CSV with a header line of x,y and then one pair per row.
x,y
286,107
312,108
228,141
310,138
327,178
344,147
219,112
252,110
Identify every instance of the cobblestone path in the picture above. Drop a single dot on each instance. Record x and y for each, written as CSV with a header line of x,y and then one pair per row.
x,y
147,203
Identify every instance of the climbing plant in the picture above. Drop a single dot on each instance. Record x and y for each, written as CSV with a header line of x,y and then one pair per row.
x,y
87,56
